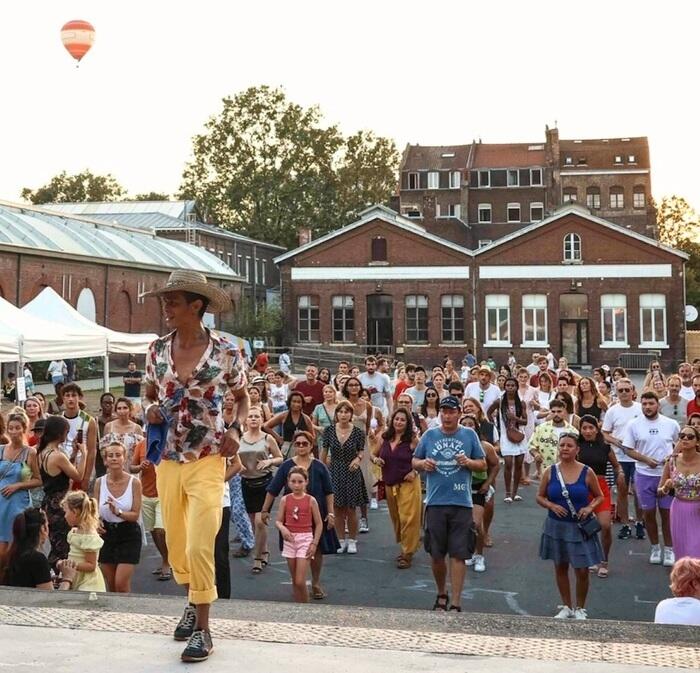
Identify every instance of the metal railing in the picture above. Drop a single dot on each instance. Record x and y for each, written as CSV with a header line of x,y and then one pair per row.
x,y
637,361
301,356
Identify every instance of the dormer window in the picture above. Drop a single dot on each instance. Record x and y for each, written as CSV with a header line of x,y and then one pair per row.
x,y
572,248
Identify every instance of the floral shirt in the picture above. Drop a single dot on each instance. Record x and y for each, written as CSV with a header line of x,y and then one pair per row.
x,y
545,440
194,408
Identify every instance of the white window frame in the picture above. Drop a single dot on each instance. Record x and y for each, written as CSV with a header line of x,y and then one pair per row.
x,y
488,178
535,303
569,198
455,179
512,172
643,199
653,303
416,302
343,303
247,268
568,161
541,180
631,159
439,214
589,198
452,302
537,204
433,180
574,241
520,214
613,303
484,206
262,270
618,196
498,303
483,242
417,180
618,158
305,302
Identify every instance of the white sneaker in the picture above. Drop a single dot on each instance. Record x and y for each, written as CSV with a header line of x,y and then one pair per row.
x,y
373,504
352,546
470,561
364,526
479,563
565,612
343,546
580,613
669,557
655,556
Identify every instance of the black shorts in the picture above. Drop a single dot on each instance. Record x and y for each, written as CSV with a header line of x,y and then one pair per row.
x,y
478,498
122,543
449,530
254,492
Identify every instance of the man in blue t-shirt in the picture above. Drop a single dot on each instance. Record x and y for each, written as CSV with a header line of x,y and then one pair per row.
x,y
449,455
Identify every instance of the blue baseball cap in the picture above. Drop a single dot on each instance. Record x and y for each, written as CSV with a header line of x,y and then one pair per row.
x,y
449,402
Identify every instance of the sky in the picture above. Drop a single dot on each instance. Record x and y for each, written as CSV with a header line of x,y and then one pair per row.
x,y
431,72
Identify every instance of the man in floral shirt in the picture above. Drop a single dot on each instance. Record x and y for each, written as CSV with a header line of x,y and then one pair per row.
x,y
187,374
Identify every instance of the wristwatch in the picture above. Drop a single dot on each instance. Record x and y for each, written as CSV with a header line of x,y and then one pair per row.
x,y
119,513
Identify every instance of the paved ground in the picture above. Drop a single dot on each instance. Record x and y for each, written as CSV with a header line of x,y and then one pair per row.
x,y
516,581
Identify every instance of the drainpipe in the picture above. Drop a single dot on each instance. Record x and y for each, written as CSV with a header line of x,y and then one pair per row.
x,y
473,273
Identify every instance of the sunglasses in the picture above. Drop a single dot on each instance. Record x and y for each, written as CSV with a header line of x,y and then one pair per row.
x,y
302,444
570,435
686,435
624,390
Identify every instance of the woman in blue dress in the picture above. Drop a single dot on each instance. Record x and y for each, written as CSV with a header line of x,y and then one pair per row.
x,y
19,472
319,487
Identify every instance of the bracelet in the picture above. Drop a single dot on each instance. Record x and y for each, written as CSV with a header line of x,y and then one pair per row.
x,y
70,582
330,514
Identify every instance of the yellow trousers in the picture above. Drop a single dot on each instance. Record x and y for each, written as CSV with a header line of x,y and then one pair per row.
x,y
404,502
191,499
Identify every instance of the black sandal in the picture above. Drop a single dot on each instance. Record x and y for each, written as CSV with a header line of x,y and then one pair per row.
x,y
441,602
256,570
455,608
265,559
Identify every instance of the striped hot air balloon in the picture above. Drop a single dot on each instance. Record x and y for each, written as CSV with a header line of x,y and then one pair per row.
x,y
78,37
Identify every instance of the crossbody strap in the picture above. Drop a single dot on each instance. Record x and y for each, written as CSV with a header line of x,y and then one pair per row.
x,y
565,492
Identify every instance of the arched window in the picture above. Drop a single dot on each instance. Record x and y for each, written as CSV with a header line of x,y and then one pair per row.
x,y
570,194
86,304
379,251
640,198
572,248
593,197
617,197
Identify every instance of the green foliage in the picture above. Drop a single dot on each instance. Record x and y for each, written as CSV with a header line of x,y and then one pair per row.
x,y
678,225
249,323
84,186
266,167
150,196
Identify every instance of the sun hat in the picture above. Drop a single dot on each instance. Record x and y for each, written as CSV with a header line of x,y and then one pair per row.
x,y
195,282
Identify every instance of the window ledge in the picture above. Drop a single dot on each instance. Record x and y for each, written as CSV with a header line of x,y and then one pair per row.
x,y
534,344
609,344
453,344
410,345
378,263
343,343
497,344
572,261
653,344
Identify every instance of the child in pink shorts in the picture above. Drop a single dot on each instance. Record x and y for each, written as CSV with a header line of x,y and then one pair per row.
x,y
299,522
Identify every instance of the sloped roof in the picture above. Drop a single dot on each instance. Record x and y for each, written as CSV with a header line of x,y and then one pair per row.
x,y
508,155
370,214
39,230
581,211
600,154
435,157
179,209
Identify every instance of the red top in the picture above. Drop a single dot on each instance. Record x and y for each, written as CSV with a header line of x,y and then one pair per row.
x,y
314,391
693,407
262,362
297,514
400,387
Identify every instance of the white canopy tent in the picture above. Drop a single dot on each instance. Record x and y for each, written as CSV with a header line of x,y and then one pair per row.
x,y
50,306
27,338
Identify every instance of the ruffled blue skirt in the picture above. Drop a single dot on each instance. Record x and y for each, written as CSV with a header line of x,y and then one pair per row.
x,y
563,542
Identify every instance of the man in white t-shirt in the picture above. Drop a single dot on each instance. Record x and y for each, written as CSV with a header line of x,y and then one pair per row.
x,y
533,367
378,385
550,359
483,390
685,371
417,390
650,439
616,419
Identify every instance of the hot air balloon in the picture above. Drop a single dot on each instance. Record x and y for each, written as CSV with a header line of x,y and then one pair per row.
x,y
77,37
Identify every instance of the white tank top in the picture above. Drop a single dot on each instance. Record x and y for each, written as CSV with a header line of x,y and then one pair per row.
x,y
124,502
74,424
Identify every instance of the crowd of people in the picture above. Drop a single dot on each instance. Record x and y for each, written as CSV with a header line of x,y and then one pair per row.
x,y
442,446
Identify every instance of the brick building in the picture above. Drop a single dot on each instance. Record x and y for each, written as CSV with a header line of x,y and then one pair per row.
x,y
177,220
100,268
474,194
588,288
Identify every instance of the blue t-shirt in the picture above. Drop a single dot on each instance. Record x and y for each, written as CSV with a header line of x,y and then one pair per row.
x,y
449,484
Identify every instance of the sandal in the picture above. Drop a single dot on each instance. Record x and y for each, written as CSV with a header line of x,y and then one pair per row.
x,y
455,608
508,499
157,571
441,602
318,594
603,570
266,558
257,567
403,563
164,577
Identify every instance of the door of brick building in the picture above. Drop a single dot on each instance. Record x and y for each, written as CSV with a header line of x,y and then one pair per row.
x,y
573,328
380,320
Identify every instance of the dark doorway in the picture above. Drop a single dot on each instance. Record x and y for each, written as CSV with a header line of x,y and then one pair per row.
x,y
380,320
573,323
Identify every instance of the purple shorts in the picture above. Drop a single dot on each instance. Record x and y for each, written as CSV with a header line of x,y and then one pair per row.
x,y
647,496
299,546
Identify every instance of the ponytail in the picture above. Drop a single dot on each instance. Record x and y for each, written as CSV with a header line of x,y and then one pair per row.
x,y
87,508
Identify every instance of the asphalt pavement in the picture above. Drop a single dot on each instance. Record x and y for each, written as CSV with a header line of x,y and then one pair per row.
x,y
516,581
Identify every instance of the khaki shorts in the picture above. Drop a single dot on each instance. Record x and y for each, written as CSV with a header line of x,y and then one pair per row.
x,y
150,511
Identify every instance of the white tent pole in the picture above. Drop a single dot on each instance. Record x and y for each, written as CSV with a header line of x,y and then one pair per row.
x,y
106,373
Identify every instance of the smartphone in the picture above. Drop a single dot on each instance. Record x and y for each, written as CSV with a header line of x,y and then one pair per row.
x,y
79,436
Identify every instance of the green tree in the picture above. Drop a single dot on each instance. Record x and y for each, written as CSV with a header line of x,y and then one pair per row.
x,y
150,196
249,321
84,186
266,167
678,225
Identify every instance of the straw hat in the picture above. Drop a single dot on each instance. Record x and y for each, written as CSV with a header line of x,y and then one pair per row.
x,y
195,282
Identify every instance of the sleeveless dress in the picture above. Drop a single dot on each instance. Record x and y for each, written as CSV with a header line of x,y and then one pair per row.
x,y
289,427
11,473
55,489
562,540
685,513
80,543
348,486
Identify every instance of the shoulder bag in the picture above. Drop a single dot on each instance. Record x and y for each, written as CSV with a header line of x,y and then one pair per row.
x,y
590,527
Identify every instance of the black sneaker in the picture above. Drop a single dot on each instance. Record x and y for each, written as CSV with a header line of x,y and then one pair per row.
x,y
185,627
199,646
625,533
639,528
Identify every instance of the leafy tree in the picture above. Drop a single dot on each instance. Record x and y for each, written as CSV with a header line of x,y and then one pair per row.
x,y
84,186
678,225
266,167
150,196
249,321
